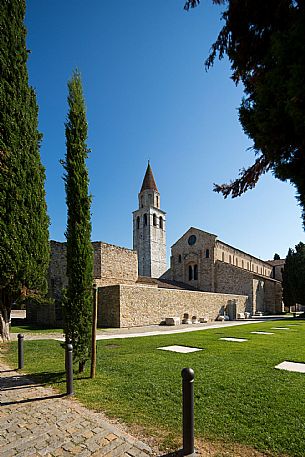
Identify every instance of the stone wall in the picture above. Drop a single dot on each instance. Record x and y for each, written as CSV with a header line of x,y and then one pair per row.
x,y
265,294
201,253
129,306
111,265
118,265
228,254
230,279
109,306
45,315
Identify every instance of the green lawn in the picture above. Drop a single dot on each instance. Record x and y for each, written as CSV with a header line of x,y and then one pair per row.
x,y
239,396
29,328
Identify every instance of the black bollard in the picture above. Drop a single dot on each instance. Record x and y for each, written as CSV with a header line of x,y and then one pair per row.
x,y
20,351
188,411
69,369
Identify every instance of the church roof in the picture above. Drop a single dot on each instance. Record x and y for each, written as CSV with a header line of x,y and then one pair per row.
x,y
149,180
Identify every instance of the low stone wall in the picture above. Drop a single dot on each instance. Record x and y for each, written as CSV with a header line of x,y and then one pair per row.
x,y
46,315
131,306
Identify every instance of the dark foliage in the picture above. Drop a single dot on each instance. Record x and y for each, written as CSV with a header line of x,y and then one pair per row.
x,y
78,296
264,41
24,246
294,276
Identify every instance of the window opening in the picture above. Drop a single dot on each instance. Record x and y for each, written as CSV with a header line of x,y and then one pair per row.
x,y
190,272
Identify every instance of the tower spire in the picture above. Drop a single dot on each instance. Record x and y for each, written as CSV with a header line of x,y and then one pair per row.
x,y
149,182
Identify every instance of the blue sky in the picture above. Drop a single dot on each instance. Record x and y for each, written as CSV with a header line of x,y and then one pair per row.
x,y
148,96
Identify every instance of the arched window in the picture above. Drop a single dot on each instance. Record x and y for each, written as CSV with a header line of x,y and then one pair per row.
x,y
195,272
179,258
207,253
138,222
161,222
247,265
223,256
190,272
145,219
157,199
154,219
229,259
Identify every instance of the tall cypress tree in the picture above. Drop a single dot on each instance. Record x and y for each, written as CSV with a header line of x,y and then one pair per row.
x,y
24,246
78,297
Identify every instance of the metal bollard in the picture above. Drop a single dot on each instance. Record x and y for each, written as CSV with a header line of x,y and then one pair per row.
x,y
69,369
188,411
20,351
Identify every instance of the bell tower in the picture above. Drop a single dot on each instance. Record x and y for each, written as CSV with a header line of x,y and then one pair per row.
x,y
149,234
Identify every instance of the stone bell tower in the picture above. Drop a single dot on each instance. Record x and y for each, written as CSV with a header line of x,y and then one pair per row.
x,y
149,234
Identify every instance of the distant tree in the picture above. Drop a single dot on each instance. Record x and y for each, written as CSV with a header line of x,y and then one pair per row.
x,y
78,297
24,244
294,276
264,42
276,257
289,280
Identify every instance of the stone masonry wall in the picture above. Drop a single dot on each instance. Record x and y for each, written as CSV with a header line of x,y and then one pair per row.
x,y
128,306
265,294
111,265
109,306
185,255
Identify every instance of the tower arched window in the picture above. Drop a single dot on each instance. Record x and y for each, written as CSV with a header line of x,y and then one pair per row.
x,y
157,200
195,272
190,272
161,222
138,222
207,253
154,219
145,219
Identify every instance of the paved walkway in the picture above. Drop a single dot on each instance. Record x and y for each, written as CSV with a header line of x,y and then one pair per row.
x,y
36,421
149,330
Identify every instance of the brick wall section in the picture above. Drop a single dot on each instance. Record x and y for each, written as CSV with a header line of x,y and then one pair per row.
x,y
129,306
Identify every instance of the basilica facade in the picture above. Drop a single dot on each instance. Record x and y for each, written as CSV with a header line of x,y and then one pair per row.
x,y
206,278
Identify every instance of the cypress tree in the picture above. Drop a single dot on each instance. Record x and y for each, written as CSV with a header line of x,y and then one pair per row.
x,y
289,280
24,246
78,296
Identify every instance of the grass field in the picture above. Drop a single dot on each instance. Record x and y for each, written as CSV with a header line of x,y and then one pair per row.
x,y
29,328
239,396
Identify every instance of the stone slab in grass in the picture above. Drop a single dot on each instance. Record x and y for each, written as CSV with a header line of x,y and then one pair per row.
x,y
237,340
263,333
181,349
291,366
280,328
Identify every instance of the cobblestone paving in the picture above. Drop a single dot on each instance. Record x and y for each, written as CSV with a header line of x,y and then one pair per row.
x,y
36,421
